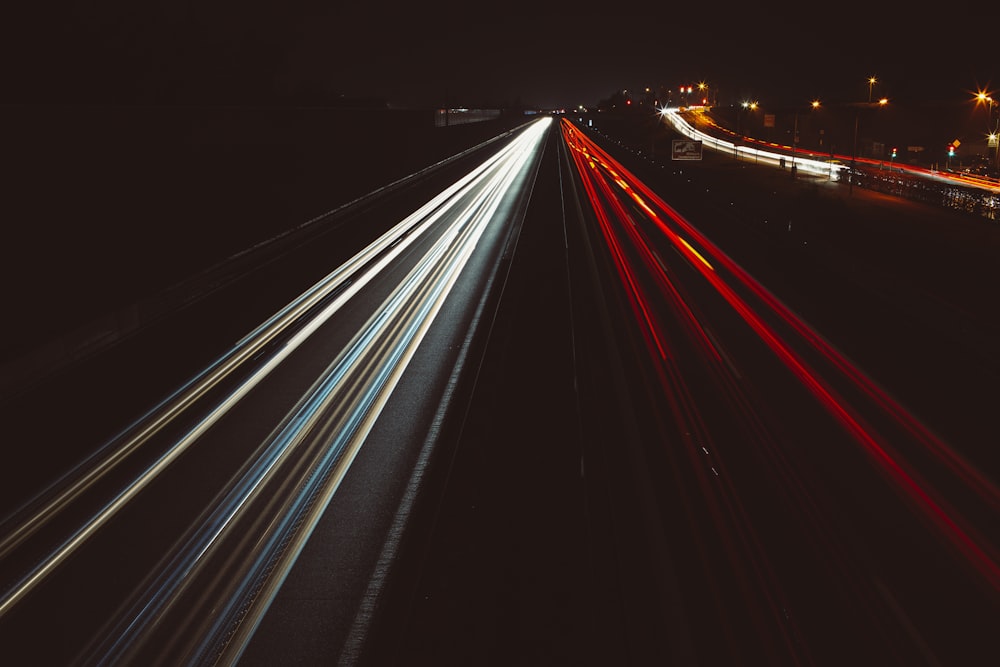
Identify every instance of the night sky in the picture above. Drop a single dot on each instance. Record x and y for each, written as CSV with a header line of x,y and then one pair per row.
x,y
484,54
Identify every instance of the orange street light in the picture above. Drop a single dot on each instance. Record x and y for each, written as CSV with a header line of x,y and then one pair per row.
x,y
982,97
795,133
854,150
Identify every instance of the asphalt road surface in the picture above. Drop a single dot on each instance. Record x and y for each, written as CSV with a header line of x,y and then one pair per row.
x,y
651,462
577,546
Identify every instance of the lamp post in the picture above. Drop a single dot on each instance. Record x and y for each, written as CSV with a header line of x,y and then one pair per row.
x,y
795,132
854,150
992,138
871,82
748,106
983,98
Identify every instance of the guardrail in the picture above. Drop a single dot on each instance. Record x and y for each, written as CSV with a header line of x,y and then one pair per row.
x,y
961,192
757,153
90,338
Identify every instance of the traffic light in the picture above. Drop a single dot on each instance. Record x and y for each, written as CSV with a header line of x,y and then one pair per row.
x,y
951,150
894,152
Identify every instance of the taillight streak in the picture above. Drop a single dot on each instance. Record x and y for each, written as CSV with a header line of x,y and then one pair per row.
x,y
973,545
717,487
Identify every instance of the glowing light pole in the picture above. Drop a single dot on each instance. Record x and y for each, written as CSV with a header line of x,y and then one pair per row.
x,y
750,106
795,133
854,151
992,138
703,90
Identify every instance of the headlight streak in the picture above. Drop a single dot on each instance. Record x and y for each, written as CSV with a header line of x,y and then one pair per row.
x,y
977,548
394,334
385,249
804,159
373,355
717,488
672,116
350,277
981,182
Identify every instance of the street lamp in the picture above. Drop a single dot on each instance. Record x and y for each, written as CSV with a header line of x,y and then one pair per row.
x,y
854,151
795,132
749,106
993,139
709,94
983,98
871,82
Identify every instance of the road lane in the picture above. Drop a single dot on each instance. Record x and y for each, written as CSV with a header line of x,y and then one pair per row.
x,y
206,490
736,509
849,468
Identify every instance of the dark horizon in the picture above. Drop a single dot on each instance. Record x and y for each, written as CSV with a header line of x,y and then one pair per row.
x,y
232,53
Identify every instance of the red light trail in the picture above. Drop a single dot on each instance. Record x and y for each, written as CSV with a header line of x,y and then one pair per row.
x,y
612,191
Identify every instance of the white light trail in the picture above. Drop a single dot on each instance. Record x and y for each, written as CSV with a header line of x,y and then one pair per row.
x,y
822,167
371,365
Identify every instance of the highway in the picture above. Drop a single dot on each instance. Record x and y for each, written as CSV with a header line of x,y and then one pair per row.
x,y
816,506
553,403
797,479
698,124
167,544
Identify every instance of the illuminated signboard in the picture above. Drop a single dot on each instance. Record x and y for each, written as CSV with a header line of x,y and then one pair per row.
x,y
685,149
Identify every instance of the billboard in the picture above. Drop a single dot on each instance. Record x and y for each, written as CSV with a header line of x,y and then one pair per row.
x,y
685,149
